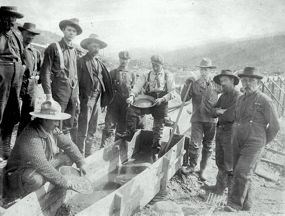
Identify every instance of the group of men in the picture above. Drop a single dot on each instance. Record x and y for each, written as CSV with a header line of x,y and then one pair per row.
x,y
74,84
241,124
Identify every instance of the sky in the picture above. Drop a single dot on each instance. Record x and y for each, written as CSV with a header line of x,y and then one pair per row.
x,y
158,24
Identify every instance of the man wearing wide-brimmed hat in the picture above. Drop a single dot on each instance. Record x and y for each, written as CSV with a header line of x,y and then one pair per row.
x,y
224,111
158,84
59,73
256,124
11,73
94,84
38,153
204,96
33,63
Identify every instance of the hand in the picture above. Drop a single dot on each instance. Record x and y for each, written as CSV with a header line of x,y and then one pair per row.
x,y
220,111
190,80
70,184
130,99
48,97
103,109
83,168
159,101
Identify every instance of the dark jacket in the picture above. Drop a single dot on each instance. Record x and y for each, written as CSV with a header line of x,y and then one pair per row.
x,y
86,80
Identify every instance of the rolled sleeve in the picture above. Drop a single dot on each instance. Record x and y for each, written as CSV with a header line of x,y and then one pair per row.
x,y
138,85
170,83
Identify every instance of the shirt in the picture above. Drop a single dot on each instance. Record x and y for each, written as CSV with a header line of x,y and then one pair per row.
x,y
155,83
97,76
259,109
226,101
51,65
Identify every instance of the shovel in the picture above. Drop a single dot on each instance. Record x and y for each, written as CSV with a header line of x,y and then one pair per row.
x,y
81,184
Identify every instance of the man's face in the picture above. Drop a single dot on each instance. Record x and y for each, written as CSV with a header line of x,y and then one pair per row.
x,y
205,72
93,48
124,62
69,33
6,23
156,67
28,37
50,125
249,84
227,83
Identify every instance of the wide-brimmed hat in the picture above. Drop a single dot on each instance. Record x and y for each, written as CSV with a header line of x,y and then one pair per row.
x,y
227,73
93,38
74,22
50,110
250,72
143,102
10,11
124,55
157,59
206,63
30,27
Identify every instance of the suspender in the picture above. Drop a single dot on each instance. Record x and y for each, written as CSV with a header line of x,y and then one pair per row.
x,y
147,88
62,67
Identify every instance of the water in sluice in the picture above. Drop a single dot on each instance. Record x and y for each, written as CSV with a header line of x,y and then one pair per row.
x,y
104,186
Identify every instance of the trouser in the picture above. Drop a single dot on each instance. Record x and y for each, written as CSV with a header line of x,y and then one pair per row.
x,y
11,75
201,132
249,140
27,107
87,123
159,114
224,156
23,181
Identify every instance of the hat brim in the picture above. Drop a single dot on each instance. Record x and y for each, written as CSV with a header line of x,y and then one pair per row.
x,y
217,78
14,14
23,29
141,101
64,23
84,43
210,67
250,76
60,116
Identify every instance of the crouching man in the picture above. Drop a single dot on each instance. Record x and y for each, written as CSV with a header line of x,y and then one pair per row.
x,y
38,153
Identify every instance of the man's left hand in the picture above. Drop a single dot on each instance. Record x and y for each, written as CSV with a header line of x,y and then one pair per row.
x,y
83,168
159,101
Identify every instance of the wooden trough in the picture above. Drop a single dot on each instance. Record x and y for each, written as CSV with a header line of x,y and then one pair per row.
x,y
129,191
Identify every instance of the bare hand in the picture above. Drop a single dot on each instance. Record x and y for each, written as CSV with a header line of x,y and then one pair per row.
x,y
220,111
159,101
130,100
83,168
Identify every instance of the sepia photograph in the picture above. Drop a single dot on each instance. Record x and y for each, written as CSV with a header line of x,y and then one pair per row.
x,y
142,107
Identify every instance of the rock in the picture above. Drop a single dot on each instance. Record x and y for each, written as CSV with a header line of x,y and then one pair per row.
x,y
167,208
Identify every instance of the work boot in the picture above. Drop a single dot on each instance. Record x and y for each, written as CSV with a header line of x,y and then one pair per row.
x,y
154,154
203,164
187,170
201,175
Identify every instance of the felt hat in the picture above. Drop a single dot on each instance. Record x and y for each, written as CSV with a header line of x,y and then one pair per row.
x,y
30,27
10,11
93,38
74,22
157,59
50,110
206,63
227,73
250,72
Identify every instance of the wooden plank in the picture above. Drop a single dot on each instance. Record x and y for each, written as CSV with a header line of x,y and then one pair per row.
x,y
272,162
267,176
48,199
134,193
275,151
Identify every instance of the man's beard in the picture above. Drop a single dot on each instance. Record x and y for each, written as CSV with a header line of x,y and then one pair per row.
x,y
5,24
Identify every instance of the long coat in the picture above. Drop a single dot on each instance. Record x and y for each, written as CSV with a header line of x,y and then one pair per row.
x,y
86,80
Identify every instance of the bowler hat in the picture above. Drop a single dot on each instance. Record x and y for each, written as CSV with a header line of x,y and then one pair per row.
x,y
93,38
124,55
227,73
206,63
10,11
157,59
250,72
50,110
74,22
30,27
143,101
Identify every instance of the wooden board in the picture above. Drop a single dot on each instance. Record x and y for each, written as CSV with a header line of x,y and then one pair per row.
x,y
140,190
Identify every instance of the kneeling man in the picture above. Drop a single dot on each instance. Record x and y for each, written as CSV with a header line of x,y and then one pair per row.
x,y
38,153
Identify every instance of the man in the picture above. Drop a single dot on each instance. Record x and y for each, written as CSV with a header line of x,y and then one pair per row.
x,y
256,124
94,84
59,74
38,153
122,83
11,73
204,96
160,85
31,74
224,110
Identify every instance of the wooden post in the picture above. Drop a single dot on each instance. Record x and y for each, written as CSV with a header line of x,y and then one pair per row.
x,y
165,165
118,204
